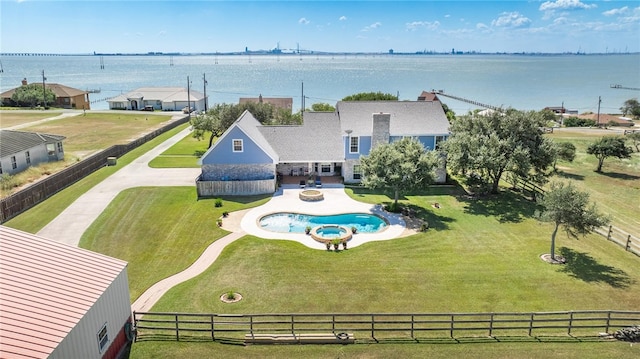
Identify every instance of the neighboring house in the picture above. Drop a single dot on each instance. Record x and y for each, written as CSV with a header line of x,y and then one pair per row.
x,y
59,301
606,120
158,98
20,150
66,97
249,156
285,103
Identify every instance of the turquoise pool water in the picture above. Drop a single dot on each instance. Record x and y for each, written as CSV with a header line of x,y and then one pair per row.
x,y
296,223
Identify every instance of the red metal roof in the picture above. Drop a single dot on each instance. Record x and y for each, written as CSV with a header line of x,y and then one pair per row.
x,y
46,287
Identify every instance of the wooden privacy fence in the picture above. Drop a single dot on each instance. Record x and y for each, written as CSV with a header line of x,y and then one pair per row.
x,y
365,327
24,199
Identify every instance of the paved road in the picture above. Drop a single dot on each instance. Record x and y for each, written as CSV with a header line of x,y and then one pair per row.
x,y
69,226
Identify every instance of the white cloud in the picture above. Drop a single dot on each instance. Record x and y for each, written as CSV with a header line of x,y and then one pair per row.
x,y
511,20
162,33
447,16
565,5
614,12
303,21
413,26
373,26
342,18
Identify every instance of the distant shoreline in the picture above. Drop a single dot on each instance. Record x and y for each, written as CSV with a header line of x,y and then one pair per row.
x,y
289,54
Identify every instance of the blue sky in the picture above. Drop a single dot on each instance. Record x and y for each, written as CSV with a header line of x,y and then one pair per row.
x,y
339,26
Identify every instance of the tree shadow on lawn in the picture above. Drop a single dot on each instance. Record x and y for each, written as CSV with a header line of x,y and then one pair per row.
x,y
572,176
582,266
621,176
435,221
507,206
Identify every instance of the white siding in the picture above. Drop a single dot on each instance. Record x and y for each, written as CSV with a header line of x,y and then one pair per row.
x,y
113,308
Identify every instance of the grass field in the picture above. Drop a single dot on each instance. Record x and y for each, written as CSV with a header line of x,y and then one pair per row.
x,y
10,118
95,131
616,190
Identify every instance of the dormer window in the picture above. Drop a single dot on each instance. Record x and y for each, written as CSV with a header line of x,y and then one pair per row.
x,y
237,145
354,144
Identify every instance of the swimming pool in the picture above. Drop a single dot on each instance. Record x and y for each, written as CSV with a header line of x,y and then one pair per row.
x,y
284,222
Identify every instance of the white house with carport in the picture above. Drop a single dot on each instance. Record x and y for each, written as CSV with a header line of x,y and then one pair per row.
x,y
249,156
20,150
60,301
159,98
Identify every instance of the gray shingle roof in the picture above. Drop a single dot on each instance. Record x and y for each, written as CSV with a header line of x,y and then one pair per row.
x,y
12,142
318,139
408,118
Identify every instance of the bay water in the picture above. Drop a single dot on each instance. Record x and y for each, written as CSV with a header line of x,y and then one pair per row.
x,y
526,82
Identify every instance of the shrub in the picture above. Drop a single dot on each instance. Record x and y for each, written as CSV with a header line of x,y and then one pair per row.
x,y
7,182
218,202
231,295
393,208
578,122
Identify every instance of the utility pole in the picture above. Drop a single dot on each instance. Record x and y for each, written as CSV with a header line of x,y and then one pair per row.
x,y
44,92
189,97
302,101
598,118
204,78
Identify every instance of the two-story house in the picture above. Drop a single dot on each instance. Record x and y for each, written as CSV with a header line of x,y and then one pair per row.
x,y
249,157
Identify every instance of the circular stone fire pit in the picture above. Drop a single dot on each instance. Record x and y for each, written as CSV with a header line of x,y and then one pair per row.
x,y
311,195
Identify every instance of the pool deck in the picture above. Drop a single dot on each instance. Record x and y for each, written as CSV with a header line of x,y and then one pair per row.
x,y
335,201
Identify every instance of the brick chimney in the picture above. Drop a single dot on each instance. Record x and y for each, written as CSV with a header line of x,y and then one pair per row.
x,y
24,81
380,131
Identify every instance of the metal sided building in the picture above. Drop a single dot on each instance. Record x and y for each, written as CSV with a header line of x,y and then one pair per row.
x,y
59,301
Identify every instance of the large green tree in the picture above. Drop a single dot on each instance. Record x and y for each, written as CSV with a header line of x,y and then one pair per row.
x,y
217,119
634,137
565,151
322,107
631,107
609,146
31,95
399,166
371,96
488,146
566,206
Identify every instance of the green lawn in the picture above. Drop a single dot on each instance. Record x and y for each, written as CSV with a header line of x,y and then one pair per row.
x,y
511,348
130,229
480,255
616,190
183,154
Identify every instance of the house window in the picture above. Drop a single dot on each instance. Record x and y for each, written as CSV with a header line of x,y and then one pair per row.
x,y
354,144
237,146
103,337
51,149
325,167
27,157
357,172
14,164
60,147
439,139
